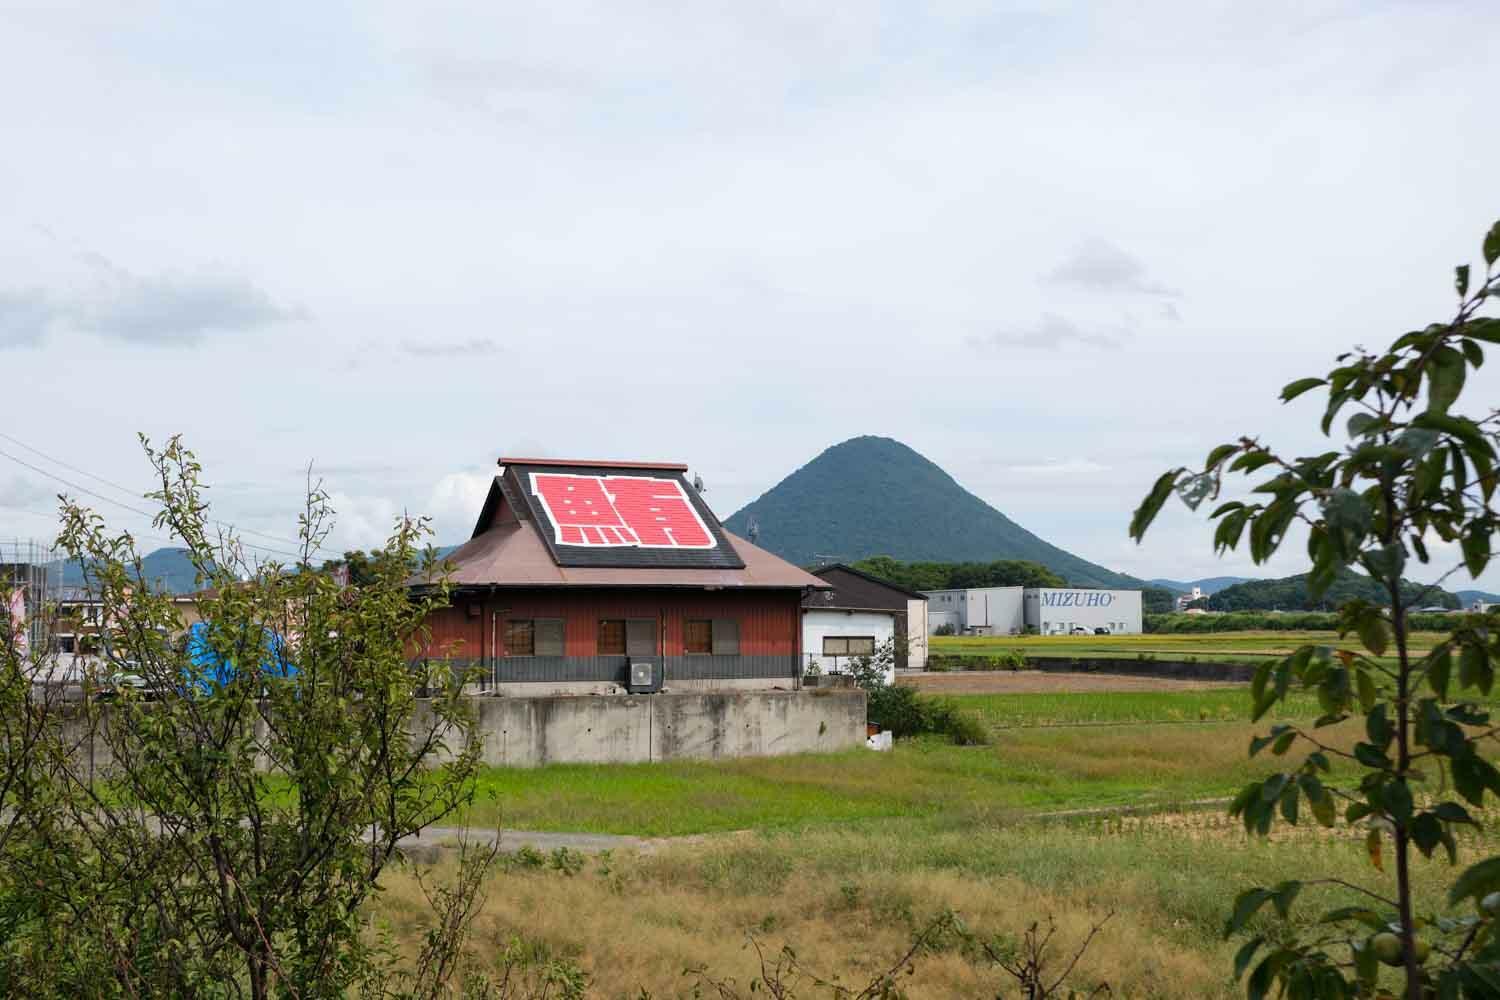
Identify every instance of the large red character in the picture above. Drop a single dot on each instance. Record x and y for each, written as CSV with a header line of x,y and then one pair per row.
x,y
581,511
659,512
616,511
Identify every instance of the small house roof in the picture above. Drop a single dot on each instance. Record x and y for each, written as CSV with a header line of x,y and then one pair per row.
x,y
856,590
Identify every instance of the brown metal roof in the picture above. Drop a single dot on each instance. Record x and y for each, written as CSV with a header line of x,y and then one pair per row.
x,y
512,554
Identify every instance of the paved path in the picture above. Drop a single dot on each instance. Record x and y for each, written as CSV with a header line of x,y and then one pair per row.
x,y
438,838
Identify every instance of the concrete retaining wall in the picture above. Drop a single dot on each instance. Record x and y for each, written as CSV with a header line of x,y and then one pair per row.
x,y
628,729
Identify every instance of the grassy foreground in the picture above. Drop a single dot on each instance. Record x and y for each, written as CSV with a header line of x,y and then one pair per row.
x,y
846,856
1025,771
1040,761
850,898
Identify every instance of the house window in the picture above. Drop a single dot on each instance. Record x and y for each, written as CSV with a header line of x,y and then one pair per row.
x,y
716,636
640,637
698,636
612,637
534,637
848,645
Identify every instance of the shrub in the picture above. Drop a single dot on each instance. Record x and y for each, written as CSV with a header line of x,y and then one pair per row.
x,y
906,712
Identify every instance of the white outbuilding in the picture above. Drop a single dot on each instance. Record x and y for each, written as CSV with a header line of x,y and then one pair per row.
x,y
857,617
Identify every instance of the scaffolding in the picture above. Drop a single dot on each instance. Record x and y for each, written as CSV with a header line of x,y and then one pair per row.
x,y
31,575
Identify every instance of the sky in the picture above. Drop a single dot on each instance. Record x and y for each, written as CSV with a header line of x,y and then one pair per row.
x,y
1057,248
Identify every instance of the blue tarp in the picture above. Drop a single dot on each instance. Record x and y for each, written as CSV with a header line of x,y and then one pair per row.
x,y
209,671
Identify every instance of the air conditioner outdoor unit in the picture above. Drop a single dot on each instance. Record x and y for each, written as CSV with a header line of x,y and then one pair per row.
x,y
643,677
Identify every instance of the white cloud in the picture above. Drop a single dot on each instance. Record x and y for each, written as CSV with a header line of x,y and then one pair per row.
x,y
1103,267
728,235
1051,333
155,309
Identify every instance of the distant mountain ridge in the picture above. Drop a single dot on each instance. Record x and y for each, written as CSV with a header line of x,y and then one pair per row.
x,y
169,569
1209,584
1290,594
871,496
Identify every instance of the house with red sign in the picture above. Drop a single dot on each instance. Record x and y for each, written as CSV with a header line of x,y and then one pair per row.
x,y
588,577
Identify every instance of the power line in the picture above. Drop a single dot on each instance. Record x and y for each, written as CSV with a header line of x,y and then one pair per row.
x,y
130,492
134,510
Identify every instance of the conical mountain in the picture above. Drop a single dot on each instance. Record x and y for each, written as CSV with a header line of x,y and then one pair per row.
x,y
874,496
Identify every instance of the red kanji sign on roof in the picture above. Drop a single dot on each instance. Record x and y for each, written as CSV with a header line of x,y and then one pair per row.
x,y
620,511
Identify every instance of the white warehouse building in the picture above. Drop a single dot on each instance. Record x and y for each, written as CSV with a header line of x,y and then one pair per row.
x,y
1046,610
1053,611
988,610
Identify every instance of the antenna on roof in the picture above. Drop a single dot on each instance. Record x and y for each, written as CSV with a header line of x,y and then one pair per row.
x,y
752,528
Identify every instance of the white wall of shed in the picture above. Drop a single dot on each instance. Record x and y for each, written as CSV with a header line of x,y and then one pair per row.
x,y
881,625
916,634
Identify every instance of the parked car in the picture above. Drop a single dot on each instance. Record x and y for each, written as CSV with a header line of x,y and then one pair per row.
x,y
1079,630
1102,631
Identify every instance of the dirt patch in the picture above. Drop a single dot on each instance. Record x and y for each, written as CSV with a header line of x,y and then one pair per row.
x,y
1036,682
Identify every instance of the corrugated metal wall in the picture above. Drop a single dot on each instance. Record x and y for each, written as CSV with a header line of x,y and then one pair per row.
x,y
769,624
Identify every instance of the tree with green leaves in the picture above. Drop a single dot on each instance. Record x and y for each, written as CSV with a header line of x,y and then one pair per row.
x,y
219,829
1413,470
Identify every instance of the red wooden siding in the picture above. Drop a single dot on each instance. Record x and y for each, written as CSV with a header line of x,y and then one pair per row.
x,y
770,621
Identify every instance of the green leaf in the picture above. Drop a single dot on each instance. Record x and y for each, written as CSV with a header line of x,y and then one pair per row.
x,y
1473,666
1477,880
1286,894
1294,389
1452,812
1245,954
1398,801
1445,379
1492,245
1461,279
1373,632
1289,799
1152,504
1362,423
1318,799
1473,352
1246,905
1367,693
1372,849
1260,980
1475,544
1439,666
1426,833
1218,455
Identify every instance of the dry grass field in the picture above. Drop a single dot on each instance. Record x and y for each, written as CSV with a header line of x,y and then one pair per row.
x,y
849,901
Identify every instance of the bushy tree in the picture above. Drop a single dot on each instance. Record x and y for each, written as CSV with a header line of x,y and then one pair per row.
x,y
219,831
1412,470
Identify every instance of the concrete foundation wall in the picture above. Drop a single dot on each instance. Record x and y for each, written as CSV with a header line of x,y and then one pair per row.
x,y
629,729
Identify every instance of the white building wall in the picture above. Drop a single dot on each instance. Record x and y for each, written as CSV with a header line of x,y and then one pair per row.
x,y
816,625
1059,611
994,610
916,634
945,607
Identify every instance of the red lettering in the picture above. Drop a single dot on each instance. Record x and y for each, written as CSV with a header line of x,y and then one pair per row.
x,y
659,513
580,510
619,511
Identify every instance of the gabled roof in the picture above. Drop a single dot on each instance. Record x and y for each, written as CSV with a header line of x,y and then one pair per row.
x,y
613,514
854,590
538,528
